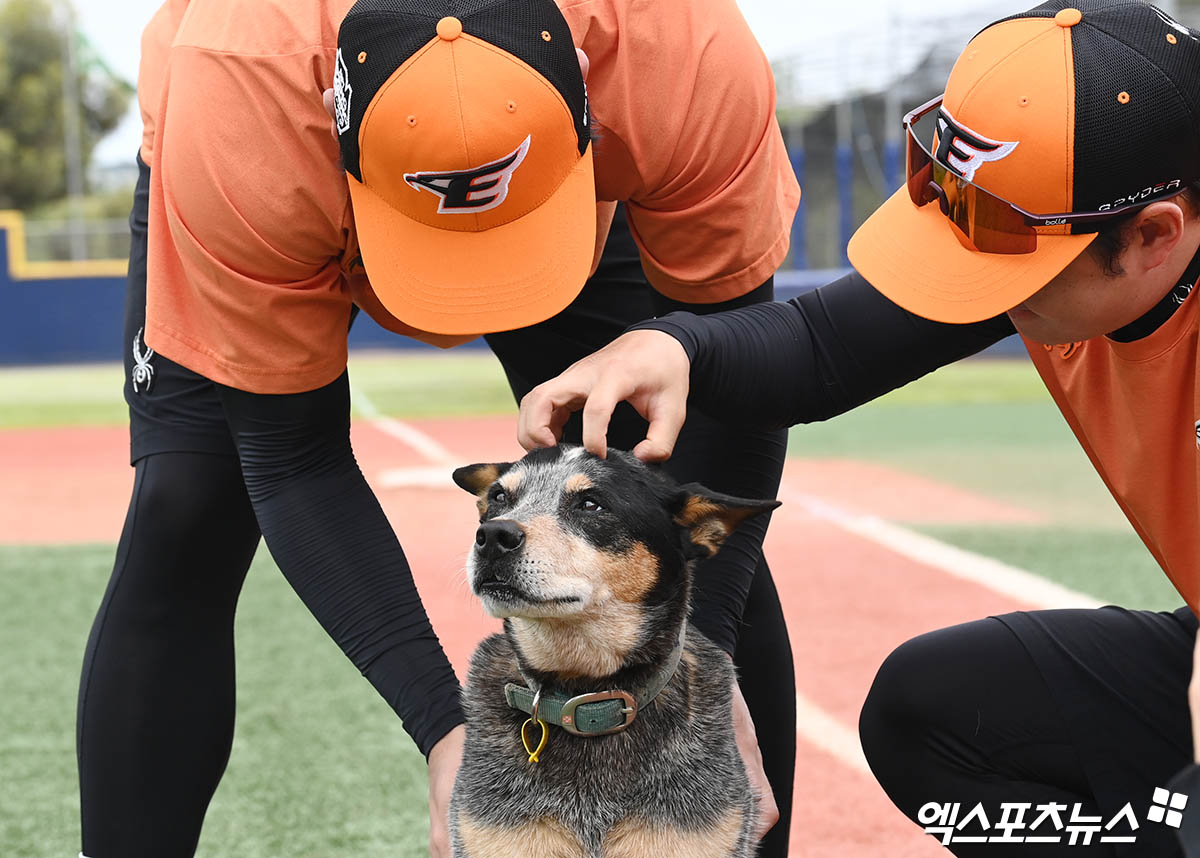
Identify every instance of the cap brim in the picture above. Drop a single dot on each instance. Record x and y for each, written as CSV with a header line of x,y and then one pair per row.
x,y
507,277
913,257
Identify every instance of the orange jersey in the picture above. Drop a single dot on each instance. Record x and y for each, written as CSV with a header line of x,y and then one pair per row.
x,y
1124,403
250,223
156,44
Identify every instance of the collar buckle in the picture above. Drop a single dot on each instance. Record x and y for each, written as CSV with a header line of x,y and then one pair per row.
x,y
630,710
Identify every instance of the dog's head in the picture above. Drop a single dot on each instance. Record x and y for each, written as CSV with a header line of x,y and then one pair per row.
x,y
589,559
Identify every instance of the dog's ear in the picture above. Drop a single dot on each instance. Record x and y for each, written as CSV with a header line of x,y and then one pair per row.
x,y
476,478
709,517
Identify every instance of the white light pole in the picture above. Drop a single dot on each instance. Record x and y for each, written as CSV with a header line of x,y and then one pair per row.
x,y
72,144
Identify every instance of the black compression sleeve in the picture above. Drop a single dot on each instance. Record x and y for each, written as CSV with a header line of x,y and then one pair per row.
x,y
744,461
328,534
816,356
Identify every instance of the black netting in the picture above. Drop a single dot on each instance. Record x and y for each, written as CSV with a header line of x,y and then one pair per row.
x,y
391,31
1121,149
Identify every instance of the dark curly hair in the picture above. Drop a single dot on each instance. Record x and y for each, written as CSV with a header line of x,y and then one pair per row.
x,y
1114,238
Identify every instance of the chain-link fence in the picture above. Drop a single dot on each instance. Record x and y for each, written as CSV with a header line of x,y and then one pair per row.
x,y
54,240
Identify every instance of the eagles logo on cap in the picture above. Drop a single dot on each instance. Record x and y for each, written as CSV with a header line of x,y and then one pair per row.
x,y
475,190
469,160
964,151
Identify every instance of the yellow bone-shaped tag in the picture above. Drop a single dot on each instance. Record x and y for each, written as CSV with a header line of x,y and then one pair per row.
x,y
534,753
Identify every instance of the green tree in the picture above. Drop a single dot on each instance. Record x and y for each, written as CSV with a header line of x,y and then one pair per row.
x,y
33,166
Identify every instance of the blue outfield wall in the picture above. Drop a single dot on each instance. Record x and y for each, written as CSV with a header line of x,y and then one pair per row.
x,y
73,312
56,312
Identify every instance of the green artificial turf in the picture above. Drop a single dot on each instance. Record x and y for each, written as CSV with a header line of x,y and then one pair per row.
x,y
320,767
38,397
462,383
1113,566
985,426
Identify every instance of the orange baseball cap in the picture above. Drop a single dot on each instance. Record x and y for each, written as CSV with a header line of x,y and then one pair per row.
x,y
465,135
1073,107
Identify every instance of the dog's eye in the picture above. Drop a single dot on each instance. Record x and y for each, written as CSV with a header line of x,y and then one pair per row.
x,y
589,505
500,496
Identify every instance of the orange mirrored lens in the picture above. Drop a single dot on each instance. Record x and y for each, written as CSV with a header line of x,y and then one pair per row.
x,y
981,221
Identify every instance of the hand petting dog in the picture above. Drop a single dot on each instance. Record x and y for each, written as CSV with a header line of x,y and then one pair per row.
x,y
647,369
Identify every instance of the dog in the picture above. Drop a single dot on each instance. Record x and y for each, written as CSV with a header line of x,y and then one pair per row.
x,y
599,722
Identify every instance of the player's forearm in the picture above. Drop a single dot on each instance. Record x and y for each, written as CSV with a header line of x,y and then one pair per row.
x,y
328,534
816,356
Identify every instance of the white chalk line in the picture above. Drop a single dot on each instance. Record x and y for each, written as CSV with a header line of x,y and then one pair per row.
x,y
405,433
826,733
818,728
1002,578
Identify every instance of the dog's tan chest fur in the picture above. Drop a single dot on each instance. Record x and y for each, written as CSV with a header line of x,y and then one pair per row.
x,y
592,645
544,838
635,838
632,838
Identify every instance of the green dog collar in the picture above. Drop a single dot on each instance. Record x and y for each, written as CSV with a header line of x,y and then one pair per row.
x,y
598,713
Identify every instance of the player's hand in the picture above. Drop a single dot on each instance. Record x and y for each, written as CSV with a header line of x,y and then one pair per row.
x,y
444,760
327,100
747,743
1194,700
647,369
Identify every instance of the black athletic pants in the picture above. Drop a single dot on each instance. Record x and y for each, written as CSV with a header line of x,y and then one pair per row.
x,y
1068,707
156,701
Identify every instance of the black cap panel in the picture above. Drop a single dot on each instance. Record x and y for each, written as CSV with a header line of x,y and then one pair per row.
x,y
1137,105
1129,150
389,32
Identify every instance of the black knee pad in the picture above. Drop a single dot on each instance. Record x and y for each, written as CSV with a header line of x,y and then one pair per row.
x,y
189,537
190,496
933,691
897,706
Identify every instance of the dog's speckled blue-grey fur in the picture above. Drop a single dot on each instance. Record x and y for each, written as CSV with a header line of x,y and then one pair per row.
x,y
677,765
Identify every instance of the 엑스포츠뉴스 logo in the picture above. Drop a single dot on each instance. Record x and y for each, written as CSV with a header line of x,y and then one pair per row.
x,y
965,151
477,189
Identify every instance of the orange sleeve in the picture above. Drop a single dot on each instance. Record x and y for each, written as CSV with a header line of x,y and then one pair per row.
x,y
685,103
156,43
249,217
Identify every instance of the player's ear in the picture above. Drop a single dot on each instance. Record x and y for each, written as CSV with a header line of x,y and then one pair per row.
x,y
709,517
477,478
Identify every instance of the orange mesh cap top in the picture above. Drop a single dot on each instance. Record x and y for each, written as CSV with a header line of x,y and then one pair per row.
x,y
470,168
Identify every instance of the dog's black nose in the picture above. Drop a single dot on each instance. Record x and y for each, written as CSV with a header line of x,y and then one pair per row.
x,y
499,537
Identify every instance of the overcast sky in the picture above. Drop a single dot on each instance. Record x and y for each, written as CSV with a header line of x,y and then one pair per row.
x,y
784,27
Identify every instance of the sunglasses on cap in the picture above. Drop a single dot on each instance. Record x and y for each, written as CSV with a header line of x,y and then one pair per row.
x,y
983,221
